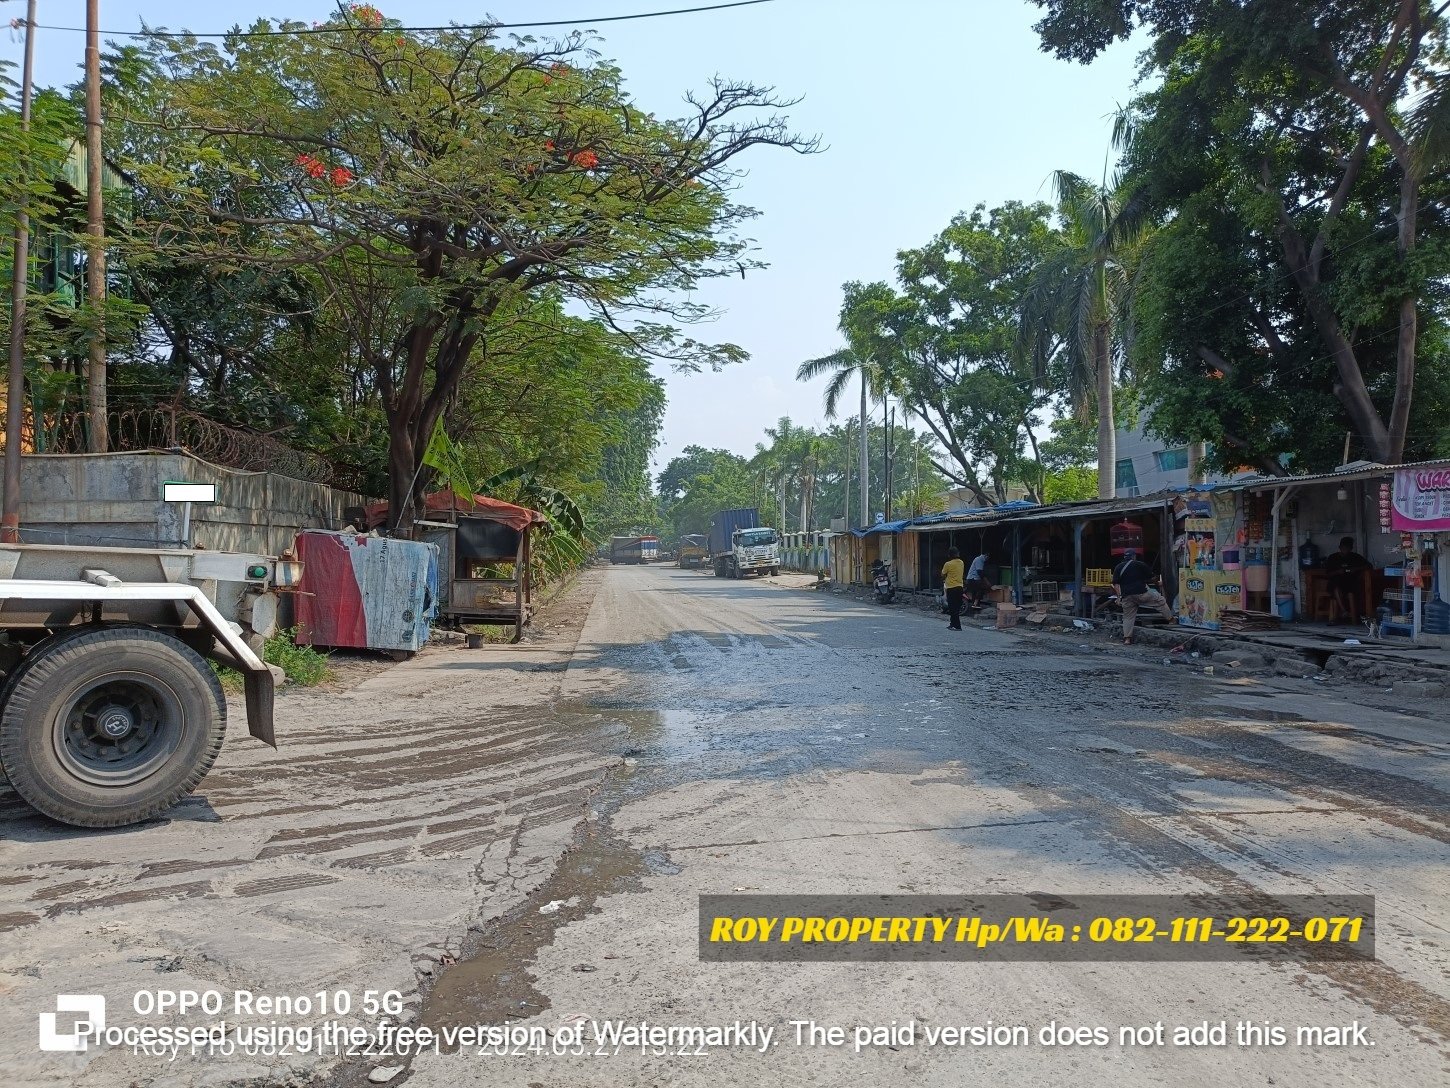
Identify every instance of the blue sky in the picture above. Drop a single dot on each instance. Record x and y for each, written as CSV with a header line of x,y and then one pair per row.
x,y
926,107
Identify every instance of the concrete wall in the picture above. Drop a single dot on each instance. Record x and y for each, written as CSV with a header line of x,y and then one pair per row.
x,y
114,500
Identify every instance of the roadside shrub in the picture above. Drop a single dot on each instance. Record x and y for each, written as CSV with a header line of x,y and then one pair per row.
x,y
303,665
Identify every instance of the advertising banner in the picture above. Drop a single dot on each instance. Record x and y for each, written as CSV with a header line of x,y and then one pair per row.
x,y
1204,594
1421,500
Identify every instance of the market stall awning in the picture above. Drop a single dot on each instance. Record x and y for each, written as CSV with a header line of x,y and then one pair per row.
x,y
480,506
1089,509
976,516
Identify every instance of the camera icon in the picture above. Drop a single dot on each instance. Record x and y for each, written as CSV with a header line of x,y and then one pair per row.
x,y
92,1020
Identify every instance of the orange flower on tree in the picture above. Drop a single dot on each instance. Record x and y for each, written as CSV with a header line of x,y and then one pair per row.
x,y
548,145
310,165
366,14
585,160
341,176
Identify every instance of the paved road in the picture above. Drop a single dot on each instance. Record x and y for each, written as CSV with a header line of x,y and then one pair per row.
x,y
550,816
793,742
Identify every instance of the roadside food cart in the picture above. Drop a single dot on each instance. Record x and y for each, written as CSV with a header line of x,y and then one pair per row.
x,y
483,558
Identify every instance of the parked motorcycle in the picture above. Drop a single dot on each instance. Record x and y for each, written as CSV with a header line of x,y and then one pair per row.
x,y
881,582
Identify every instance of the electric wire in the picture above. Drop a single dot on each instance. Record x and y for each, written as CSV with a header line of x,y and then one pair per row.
x,y
344,28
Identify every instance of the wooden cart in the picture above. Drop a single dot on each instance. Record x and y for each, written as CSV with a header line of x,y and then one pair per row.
x,y
484,549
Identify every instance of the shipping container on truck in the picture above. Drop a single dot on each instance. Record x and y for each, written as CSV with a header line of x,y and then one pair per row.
x,y
649,549
740,545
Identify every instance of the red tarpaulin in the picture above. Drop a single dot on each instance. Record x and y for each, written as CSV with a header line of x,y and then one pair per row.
x,y
441,502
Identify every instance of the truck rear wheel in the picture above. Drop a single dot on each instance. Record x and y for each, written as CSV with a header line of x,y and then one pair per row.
x,y
111,726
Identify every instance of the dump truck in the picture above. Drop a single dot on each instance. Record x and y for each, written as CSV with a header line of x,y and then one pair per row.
x,y
110,711
740,545
692,550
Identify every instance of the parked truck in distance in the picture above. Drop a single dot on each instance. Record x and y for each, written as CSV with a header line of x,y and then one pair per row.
x,y
740,545
626,549
692,550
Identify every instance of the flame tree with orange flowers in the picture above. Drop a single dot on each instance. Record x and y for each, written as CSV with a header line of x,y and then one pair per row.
x,y
434,186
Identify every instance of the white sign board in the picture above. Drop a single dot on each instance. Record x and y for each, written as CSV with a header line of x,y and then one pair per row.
x,y
176,491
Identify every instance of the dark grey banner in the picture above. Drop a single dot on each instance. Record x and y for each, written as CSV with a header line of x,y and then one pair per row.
x,y
1038,926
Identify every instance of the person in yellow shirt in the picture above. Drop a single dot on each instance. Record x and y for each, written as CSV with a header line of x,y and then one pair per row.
x,y
953,577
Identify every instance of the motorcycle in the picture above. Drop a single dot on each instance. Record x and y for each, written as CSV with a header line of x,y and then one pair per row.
x,y
881,582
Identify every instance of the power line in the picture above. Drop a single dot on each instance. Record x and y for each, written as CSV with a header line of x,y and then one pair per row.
x,y
362,29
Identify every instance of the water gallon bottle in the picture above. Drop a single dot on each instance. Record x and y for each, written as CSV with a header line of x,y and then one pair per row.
x,y
1308,554
1437,617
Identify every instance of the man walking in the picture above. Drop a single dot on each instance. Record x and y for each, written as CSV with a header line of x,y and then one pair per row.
x,y
952,581
1130,583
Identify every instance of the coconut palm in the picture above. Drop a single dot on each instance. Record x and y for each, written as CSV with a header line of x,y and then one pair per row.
x,y
1075,312
863,358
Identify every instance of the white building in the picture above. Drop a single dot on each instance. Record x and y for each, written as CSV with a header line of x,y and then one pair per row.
x,y
1146,465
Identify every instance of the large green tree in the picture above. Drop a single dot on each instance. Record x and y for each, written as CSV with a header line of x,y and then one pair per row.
x,y
1306,117
433,182
948,340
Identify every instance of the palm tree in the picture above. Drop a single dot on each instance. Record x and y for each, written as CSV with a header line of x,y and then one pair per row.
x,y
1075,310
780,461
843,365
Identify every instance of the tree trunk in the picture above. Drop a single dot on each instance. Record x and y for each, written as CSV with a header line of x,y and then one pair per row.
x,y
865,469
1196,454
1405,348
402,473
1107,433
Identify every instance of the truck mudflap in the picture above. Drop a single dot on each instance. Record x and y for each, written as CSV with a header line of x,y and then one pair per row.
x,y
101,588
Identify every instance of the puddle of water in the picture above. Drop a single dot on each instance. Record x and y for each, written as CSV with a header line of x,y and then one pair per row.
x,y
492,982
1263,714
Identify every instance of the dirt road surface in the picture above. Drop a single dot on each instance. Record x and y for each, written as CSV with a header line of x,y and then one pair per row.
x,y
519,836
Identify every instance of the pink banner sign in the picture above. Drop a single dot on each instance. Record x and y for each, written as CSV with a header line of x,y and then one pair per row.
x,y
1421,500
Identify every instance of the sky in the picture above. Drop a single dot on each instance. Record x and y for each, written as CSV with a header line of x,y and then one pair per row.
x,y
924,108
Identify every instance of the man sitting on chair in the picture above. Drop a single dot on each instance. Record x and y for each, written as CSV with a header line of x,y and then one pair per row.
x,y
1343,572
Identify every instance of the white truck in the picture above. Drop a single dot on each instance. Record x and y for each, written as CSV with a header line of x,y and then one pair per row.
x,y
739,545
109,710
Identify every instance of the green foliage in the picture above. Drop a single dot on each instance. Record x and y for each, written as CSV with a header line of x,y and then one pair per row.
x,y
1294,154
946,343
431,186
1070,484
694,485
303,665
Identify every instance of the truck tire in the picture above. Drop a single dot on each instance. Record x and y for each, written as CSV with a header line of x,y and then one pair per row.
x,y
111,726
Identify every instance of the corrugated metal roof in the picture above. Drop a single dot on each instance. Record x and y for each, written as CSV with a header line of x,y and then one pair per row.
x,y
1353,472
882,527
1029,511
1097,508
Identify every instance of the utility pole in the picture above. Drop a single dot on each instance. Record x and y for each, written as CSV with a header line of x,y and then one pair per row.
x,y
15,389
865,480
888,414
846,479
95,237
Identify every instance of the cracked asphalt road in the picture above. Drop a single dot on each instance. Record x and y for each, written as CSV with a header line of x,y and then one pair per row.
x,y
547,817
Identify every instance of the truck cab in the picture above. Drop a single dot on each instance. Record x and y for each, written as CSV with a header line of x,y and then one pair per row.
x,y
753,551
